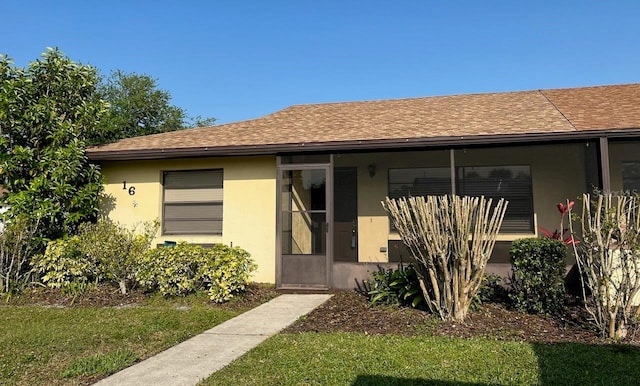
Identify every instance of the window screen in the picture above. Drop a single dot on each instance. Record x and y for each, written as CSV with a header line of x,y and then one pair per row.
x,y
419,182
513,183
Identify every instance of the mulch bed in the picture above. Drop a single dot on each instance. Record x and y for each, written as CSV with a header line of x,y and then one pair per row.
x,y
348,311
105,295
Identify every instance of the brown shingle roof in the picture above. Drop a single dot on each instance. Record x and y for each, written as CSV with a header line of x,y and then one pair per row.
x,y
435,119
598,108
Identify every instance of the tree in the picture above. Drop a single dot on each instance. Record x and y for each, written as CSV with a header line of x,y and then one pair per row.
x,y
46,111
137,107
200,121
16,249
608,260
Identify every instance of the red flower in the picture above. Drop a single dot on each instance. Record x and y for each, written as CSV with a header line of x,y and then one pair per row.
x,y
560,234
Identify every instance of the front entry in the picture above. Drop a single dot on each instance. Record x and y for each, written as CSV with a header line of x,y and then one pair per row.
x,y
303,227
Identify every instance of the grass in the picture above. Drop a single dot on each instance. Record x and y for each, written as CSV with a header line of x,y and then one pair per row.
x,y
358,359
102,364
43,345
69,346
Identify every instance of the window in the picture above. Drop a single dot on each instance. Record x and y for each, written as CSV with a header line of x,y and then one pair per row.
x,y
419,182
414,182
304,215
631,177
513,183
192,202
305,159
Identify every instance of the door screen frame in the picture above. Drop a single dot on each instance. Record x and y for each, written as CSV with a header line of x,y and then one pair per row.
x,y
328,168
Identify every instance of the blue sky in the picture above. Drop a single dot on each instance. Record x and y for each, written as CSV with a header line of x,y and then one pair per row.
x,y
236,60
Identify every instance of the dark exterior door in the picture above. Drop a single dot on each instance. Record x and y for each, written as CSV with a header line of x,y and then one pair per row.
x,y
345,214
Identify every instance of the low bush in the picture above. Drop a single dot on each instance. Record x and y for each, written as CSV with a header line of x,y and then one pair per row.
x,y
102,251
399,286
537,283
63,265
222,271
226,271
116,248
109,251
490,290
171,271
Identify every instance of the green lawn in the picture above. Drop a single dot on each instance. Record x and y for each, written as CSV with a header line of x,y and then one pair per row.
x,y
358,359
48,345
42,346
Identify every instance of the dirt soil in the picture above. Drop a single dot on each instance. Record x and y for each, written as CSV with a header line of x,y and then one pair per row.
x,y
105,295
348,311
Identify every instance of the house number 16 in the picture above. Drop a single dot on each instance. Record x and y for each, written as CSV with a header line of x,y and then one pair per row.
x,y
132,189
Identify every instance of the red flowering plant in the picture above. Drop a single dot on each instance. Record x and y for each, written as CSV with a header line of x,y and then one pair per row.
x,y
560,234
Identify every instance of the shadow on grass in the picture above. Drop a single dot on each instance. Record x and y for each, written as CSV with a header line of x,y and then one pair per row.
x,y
368,380
587,364
558,364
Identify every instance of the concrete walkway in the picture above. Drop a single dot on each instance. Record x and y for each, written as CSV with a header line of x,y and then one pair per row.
x,y
204,354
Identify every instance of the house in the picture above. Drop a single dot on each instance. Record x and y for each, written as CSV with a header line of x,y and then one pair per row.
x,y
300,189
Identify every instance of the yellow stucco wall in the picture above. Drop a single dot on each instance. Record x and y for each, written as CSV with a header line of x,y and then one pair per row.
x,y
557,174
250,192
373,223
249,208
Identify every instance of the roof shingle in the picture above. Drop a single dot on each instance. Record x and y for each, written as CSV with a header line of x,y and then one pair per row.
x,y
598,108
473,115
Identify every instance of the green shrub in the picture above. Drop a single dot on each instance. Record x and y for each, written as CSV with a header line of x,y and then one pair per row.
x,y
116,248
490,290
222,271
63,265
102,251
537,283
226,271
398,286
171,271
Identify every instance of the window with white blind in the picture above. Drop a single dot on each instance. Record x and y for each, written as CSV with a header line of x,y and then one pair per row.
x,y
419,182
513,183
192,202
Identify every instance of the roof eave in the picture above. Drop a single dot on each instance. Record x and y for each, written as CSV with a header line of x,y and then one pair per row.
x,y
373,144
